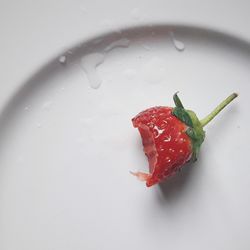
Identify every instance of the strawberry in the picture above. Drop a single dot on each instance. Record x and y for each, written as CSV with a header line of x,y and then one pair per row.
x,y
171,137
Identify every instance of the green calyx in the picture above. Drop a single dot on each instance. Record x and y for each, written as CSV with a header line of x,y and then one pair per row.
x,y
194,130
196,133
195,126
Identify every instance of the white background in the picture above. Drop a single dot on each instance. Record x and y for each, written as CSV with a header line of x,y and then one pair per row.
x,y
33,31
206,207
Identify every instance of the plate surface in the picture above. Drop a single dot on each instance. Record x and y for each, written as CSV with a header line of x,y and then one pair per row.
x,y
67,146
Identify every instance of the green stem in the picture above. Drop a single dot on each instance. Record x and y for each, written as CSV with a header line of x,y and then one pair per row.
x,y
217,110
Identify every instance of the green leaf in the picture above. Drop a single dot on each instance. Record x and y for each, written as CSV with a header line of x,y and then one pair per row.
x,y
183,116
177,101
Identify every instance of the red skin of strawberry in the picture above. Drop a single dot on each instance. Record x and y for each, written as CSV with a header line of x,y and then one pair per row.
x,y
171,137
165,142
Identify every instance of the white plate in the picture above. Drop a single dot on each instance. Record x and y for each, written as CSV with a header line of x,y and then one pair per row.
x,y
67,149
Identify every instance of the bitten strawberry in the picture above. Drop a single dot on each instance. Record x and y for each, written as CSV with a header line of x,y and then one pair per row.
x,y
171,137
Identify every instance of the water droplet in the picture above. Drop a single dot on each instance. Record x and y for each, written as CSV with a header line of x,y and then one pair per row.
x,y
83,9
27,108
180,46
38,125
121,43
80,140
168,159
62,59
70,52
146,47
181,151
89,64
171,150
167,139
158,131
47,105
129,73
181,140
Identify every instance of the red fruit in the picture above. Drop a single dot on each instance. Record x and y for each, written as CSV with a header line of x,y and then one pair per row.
x,y
171,137
165,142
